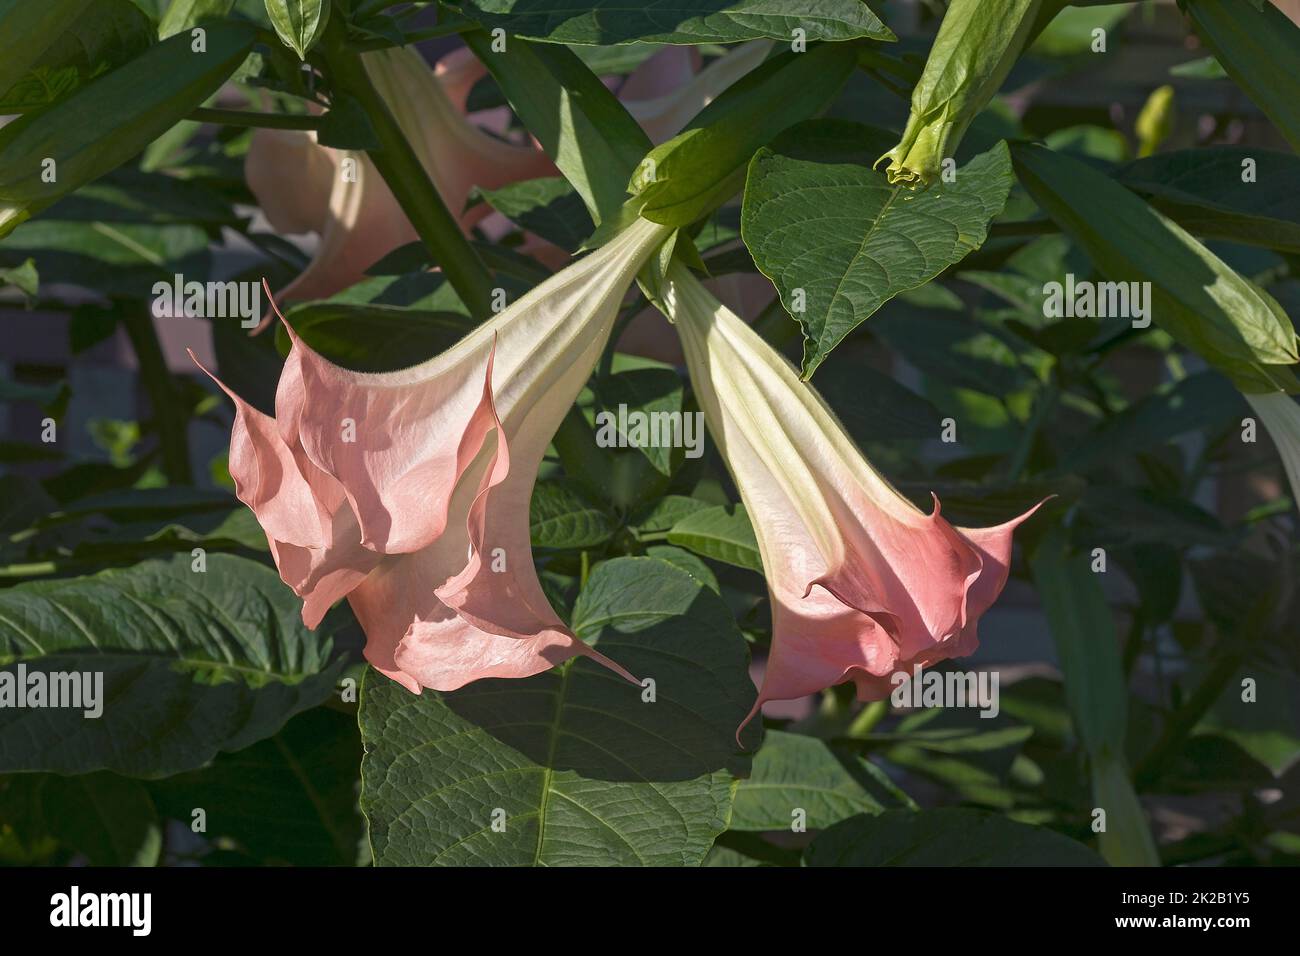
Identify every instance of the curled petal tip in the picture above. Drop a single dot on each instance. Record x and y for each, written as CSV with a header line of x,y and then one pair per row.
x,y
266,319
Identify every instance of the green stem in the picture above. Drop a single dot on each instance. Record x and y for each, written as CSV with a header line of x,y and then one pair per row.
x,y
252,118
868,717
169,413
1181,723
406,176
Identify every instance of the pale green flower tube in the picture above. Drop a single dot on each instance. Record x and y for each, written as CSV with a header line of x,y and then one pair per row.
x,y
978,43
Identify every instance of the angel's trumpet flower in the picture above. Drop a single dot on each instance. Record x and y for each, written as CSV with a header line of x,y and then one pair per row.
x,y
407,492
978,43
303,186
863,584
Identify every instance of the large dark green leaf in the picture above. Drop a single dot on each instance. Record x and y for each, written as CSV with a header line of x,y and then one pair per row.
x,y
581,770
291,798
603,22
944,837
193,663
101,818
838,241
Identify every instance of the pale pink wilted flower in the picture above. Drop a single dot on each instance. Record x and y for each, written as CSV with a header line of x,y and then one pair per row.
x,y
408,492
300,186
862,582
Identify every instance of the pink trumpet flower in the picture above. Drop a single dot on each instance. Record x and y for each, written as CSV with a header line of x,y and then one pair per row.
x,y
407,492
863,584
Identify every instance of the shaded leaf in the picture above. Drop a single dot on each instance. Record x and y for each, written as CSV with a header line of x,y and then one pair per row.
x,y
944,837
191,663
572,765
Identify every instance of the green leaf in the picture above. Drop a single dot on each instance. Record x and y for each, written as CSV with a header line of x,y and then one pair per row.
x,y
185,14
374,338
101,38
1266,727
1195,402
25,278
652,396
110,820
289,799
192,663
27,30
701,167
110,258
1083,630
106,122
955,350
299,23
818,219
604,22
1259,47
944,837
347,125
793,772
688,562
873,406
1195,296
666,512
1204,191
723,533
583,771
959,748
560,516
549,207
1127,840
575,118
